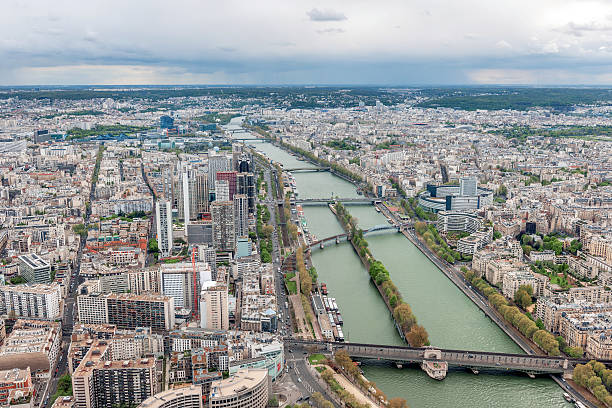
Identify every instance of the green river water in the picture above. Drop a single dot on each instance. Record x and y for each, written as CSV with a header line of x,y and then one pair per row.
x,y
451,319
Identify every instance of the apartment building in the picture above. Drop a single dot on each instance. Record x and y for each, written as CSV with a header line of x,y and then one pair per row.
x,y
34,344
14,382
127,310
35,301
214,309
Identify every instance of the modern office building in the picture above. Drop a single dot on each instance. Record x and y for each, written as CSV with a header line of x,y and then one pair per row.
x,y
214,310
243,247
450,197
166,122
163,218
247,388
34,269
200,232
224,230
35,301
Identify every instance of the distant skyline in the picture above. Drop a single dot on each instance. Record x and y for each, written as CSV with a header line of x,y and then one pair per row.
x,y
472,42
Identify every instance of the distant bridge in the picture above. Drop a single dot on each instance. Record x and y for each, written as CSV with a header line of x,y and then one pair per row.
x,y
343,237
308,169
327,201
530,364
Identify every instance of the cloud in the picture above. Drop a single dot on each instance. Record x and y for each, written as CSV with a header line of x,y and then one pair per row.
x,y
325,15
580,29
339,41
331,31
503,44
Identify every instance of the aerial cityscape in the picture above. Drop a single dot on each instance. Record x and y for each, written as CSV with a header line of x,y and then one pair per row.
x,y
306,207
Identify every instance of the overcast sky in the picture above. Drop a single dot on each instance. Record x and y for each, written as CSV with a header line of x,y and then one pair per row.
x,y
404,42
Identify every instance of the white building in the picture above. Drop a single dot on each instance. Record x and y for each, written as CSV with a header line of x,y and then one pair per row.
x,y
37,301
163,217
214,309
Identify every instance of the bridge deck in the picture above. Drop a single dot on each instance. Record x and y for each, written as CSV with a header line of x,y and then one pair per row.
x,y
460,358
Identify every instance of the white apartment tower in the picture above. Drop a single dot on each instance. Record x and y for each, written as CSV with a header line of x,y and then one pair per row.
x,y
163,217
241,215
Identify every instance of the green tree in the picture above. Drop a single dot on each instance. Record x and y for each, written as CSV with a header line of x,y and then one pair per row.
x,y
153,247
417,336
522,298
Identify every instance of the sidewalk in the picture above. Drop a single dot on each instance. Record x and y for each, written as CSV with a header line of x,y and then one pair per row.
x,y
347,385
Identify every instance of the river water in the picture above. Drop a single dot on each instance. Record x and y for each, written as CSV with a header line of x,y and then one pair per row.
x,y
451,319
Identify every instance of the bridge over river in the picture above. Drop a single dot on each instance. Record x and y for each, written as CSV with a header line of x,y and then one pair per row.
x,y
530,364
343,237
327,201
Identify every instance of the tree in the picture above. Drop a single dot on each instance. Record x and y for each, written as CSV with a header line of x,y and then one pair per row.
x,y
397,403
404,317
153,247
418,337
522,298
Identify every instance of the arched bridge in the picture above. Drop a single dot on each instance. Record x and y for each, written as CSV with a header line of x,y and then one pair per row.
x,y
343,237
530,364
308,169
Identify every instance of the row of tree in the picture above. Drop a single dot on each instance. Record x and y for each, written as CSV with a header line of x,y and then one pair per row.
x,y
350,224
595,377
343,360
324,163
435,242
414,333
513,315
304,276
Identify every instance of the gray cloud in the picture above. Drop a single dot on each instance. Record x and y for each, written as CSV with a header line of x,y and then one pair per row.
x,y
325,15
394,42
330,31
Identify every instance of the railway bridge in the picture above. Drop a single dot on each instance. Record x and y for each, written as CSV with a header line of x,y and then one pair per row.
x,y
530,364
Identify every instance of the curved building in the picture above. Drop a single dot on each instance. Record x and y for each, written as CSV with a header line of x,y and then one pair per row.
x,y
458,221
188,397
247,388
464,196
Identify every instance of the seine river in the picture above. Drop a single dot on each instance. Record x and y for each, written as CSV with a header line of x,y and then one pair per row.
x,y
451,319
